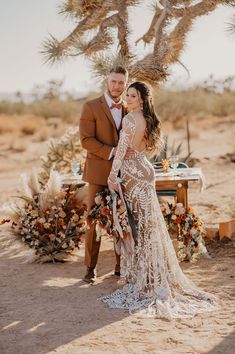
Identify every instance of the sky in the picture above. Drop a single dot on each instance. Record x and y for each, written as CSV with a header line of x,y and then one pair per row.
x,y
25,24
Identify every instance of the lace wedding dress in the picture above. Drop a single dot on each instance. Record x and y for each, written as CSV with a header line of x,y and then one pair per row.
x,y
156,285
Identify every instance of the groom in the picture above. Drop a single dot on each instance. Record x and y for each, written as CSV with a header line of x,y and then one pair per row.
x,y
100,124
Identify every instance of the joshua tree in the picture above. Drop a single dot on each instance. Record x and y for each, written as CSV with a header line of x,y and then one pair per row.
x,y
171,21
231,27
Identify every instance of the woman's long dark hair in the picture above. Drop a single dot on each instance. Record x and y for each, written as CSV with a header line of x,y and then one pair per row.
x,y
153,125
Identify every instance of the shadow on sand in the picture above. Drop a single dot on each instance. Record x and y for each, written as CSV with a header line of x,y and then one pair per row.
x,y
45,306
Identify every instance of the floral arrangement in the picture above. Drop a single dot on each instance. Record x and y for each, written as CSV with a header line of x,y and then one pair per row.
x,y
186,223
189,230
102,215
51,220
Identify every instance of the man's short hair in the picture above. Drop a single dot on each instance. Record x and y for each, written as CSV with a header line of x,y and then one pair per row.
x,y
118,69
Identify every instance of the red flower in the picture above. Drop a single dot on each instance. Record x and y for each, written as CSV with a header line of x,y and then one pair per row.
x,y
178,220
105,211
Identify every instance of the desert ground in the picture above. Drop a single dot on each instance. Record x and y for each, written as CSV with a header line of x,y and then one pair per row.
x,y
47,308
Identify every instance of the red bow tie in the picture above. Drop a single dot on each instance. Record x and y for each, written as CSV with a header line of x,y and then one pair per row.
x,y
116,105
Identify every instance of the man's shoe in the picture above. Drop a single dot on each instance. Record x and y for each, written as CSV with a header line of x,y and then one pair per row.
x,y
117,273
90,275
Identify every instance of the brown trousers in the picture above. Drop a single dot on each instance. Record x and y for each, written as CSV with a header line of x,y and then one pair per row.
x,y
92,246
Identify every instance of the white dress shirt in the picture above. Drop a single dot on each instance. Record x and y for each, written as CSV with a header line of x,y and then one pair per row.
x,y
116,113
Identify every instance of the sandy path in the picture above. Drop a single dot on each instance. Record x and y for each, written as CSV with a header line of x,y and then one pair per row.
x,y
46,308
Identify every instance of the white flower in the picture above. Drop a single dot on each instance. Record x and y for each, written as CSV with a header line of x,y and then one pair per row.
x,y
47,225
62,214
42,220
75,217
71,243
98,200
179,210
193,231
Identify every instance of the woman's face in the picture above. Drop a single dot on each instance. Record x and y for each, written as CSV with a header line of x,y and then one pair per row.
x,y
133,99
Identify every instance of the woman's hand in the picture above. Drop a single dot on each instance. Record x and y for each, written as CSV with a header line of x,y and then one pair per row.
x,y
112,186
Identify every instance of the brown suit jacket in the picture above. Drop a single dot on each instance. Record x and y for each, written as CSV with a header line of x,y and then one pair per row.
x,y
98,134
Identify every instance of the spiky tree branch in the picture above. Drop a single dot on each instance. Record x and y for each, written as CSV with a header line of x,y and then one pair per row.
x,y
102,18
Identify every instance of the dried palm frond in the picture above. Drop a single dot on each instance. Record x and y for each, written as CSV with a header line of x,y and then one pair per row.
x,y
61,153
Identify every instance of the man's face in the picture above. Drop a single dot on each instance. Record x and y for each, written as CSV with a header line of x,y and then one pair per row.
x,y
116,84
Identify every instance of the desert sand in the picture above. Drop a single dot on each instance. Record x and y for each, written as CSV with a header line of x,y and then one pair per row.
x,y
46,308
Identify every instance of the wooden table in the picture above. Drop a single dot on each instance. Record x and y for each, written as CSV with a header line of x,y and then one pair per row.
x,y
179,182
71,180
163,182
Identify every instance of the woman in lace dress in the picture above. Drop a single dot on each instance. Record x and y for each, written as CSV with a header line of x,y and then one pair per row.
x,y
156,285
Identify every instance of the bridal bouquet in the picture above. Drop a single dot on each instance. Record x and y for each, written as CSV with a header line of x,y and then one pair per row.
x,y
101,214
189,229
112,224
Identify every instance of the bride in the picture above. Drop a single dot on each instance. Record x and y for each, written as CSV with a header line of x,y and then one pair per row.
x,y
156,285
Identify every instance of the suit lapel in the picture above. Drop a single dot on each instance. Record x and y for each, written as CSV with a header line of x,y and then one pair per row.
x,y
108,113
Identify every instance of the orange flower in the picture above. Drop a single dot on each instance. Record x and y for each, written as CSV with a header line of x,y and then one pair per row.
x,y
4,221
62,214
52,237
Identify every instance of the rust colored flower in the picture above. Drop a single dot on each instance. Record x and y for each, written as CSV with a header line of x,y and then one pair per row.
x,y
105,211
4,221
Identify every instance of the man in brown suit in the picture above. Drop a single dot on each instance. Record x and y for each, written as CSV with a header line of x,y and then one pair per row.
x,y
100,124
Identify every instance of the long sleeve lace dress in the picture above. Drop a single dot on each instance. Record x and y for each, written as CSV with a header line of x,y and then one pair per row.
x,y
156,285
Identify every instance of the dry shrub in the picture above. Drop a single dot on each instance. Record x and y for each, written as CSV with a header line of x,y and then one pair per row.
x,y
18,145
175,105
69,110
7,123
29,127
43,134
26,124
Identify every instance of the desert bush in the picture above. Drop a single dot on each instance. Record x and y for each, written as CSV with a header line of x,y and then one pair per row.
x,y
198,101
174,105
69,110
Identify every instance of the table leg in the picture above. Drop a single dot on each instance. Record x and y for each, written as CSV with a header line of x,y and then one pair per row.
x,y
182,194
